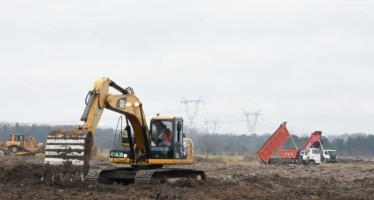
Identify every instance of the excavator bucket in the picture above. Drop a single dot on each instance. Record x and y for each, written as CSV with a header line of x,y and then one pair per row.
x,y
68,152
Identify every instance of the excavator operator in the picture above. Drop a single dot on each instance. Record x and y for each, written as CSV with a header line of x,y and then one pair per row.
x,y
166,137
165,142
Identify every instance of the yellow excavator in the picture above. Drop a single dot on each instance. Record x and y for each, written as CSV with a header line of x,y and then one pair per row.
x,y
19,144
68,152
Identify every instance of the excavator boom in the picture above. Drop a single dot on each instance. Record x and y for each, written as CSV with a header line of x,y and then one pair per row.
x,y
71,150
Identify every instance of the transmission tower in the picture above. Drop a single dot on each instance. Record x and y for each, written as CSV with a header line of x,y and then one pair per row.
x,y
211,126
191,108
251,127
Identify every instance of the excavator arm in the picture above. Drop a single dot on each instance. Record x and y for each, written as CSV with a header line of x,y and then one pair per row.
x,y
126,103
70,151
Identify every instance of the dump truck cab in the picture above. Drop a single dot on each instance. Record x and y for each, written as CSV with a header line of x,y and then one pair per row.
x,y
329,155
310,156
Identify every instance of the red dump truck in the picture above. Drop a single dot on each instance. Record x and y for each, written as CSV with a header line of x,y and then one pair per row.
x,y
273,144
309,153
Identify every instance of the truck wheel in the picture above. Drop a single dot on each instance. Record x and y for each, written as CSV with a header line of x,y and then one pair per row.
x,y
311,163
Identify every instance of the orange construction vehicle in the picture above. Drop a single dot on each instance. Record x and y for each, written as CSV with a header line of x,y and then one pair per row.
x,y
18,144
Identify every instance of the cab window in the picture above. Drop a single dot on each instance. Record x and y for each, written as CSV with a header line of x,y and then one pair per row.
x,y
158,128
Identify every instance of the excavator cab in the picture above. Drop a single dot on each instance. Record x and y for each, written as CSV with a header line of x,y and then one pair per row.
x,y
166,138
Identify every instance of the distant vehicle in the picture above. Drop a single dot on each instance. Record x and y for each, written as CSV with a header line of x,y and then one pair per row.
x,y
18,144
311,153
329,155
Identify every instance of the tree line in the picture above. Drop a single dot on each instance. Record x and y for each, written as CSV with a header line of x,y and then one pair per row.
x,y
209,144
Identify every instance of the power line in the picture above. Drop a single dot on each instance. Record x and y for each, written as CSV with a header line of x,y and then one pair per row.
x,y
221,114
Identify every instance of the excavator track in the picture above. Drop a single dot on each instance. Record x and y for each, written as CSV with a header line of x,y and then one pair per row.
x,y
118,175
147,176
163,175
68,153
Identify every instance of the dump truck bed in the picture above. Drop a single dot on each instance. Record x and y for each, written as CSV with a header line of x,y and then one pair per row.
x,y
273,144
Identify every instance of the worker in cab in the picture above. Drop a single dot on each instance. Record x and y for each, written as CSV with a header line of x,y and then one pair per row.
x,y
165,137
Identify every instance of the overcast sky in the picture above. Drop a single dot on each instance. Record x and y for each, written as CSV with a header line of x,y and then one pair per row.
x,y
309,63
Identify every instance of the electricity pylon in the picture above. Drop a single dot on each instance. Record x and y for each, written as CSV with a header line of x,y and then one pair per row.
x,y
251,127
191,108
211,126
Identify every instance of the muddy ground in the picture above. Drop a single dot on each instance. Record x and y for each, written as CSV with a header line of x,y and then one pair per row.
x,y
243,179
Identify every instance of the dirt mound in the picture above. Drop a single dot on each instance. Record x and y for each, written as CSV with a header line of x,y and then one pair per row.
x,y
184,182
20,173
